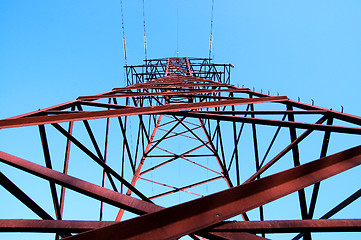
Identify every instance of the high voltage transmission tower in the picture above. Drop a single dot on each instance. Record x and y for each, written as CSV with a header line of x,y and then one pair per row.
x,y
178,152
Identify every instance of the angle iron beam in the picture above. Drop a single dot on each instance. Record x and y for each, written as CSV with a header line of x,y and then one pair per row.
x,y
335,114
256,156
177,86
113,198
296,162
77,116
283,152
272,142
316,187
270,112
214,150
233,236
136,174
48,164
336,209
291,226
177,189
104,105
172,158
105,161
201,213
25,199
56,107
66,164
50,226
146,94
270,122
108,169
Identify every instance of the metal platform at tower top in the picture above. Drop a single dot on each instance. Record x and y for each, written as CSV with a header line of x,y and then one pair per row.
x,y
198,67
180,152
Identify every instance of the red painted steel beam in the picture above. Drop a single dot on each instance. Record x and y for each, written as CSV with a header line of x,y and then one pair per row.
x,y
291,226
269,112
174,80
177,189
108,196
275,226
168,80
50,226
56,107
283,152
234,236
109,171
189,67
48,164
338,115
174,85
104,105
23,197
148,94
77,116
202,213
270,122
335,114
66,165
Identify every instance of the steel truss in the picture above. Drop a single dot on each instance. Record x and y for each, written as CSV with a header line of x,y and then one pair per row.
x,y
156,68
181,152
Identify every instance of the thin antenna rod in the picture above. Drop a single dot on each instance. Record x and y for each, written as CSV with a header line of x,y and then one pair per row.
x,y
177,31
145,38
123,29
211,35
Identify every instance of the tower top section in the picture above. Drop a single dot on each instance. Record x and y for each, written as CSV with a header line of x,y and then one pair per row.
x,y
178,66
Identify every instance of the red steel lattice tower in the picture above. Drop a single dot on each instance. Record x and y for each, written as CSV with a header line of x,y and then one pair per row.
x,y
182,152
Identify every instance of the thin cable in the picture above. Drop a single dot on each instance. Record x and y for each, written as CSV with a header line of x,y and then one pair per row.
x,y
123,29
145,38
211,35
177,31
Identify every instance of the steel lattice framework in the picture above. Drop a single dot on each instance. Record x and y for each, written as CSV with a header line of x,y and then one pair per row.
x,y
181,152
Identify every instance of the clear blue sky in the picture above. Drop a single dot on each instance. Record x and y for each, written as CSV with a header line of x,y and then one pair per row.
x,y
52,51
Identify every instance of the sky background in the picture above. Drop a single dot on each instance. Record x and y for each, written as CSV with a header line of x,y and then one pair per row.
x,y
53,51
